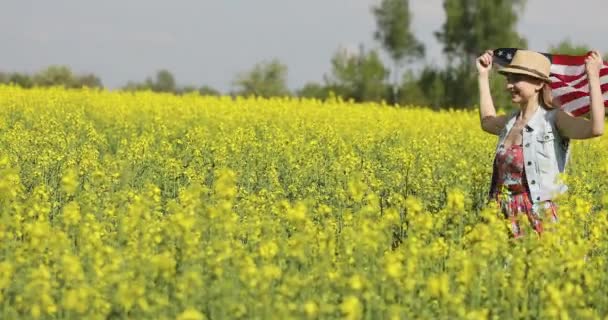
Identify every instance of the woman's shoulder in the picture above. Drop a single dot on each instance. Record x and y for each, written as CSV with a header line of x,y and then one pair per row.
x,y
550,114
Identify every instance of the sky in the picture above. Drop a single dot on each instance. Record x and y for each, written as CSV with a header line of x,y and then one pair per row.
x,y
209,42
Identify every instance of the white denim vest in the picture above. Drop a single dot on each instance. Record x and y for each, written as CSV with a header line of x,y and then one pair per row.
x,y
545,151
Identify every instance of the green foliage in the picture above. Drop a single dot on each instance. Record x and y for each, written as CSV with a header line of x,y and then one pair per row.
x,y
266,79
187,89
446,88
88,80
52,76
313,90
473,26
566,46
55,75
208,91
411,92
360,77
135,86
165,82
19,79
393,19
203,91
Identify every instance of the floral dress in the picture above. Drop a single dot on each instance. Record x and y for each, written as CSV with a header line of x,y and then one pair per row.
x,y
512,193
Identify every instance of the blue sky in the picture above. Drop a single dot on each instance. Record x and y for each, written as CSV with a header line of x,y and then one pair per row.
x,y
207,42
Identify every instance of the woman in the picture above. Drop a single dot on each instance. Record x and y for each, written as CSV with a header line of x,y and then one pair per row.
x,y
533,142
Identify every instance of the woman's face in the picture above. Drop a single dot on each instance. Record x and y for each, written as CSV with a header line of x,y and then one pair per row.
x,y
522,87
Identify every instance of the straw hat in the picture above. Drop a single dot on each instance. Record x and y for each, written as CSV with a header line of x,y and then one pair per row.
x,y
529,63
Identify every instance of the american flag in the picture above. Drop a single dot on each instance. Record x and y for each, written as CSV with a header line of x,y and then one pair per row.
x,y
568,79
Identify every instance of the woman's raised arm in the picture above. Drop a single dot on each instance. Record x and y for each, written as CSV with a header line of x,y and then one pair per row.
x,y
490,122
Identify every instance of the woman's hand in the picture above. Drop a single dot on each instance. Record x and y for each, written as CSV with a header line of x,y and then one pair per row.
x,y
484,62
593,64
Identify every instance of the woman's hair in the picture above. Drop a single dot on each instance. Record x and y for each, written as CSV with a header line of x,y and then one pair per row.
x,y
545,98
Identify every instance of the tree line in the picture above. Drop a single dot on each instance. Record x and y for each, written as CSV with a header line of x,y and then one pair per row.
x,y
471,26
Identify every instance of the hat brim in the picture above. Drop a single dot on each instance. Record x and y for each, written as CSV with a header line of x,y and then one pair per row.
x,y
507,70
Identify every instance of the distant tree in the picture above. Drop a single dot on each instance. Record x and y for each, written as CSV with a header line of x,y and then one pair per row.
x,y
52,76
393,20
266,79
313,90
203,91
88,80
420,90
136,86
21,79
568,47
164,82
358,76
55,76
472,26
433,83
186,89
208,91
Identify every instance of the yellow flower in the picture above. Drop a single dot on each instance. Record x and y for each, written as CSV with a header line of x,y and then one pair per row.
x,y
393,265
6,274
271,272
69,181
76,300
71,213
438,285
269,249
311,309
352,308
191,314
297,213
356,282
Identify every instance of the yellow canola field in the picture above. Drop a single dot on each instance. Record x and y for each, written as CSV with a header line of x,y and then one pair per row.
x,y
151,206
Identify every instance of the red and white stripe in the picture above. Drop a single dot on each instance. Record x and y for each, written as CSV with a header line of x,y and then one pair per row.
x,y
570,85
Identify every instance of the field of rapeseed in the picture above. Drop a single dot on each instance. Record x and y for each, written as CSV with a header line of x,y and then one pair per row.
x,y
150,206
